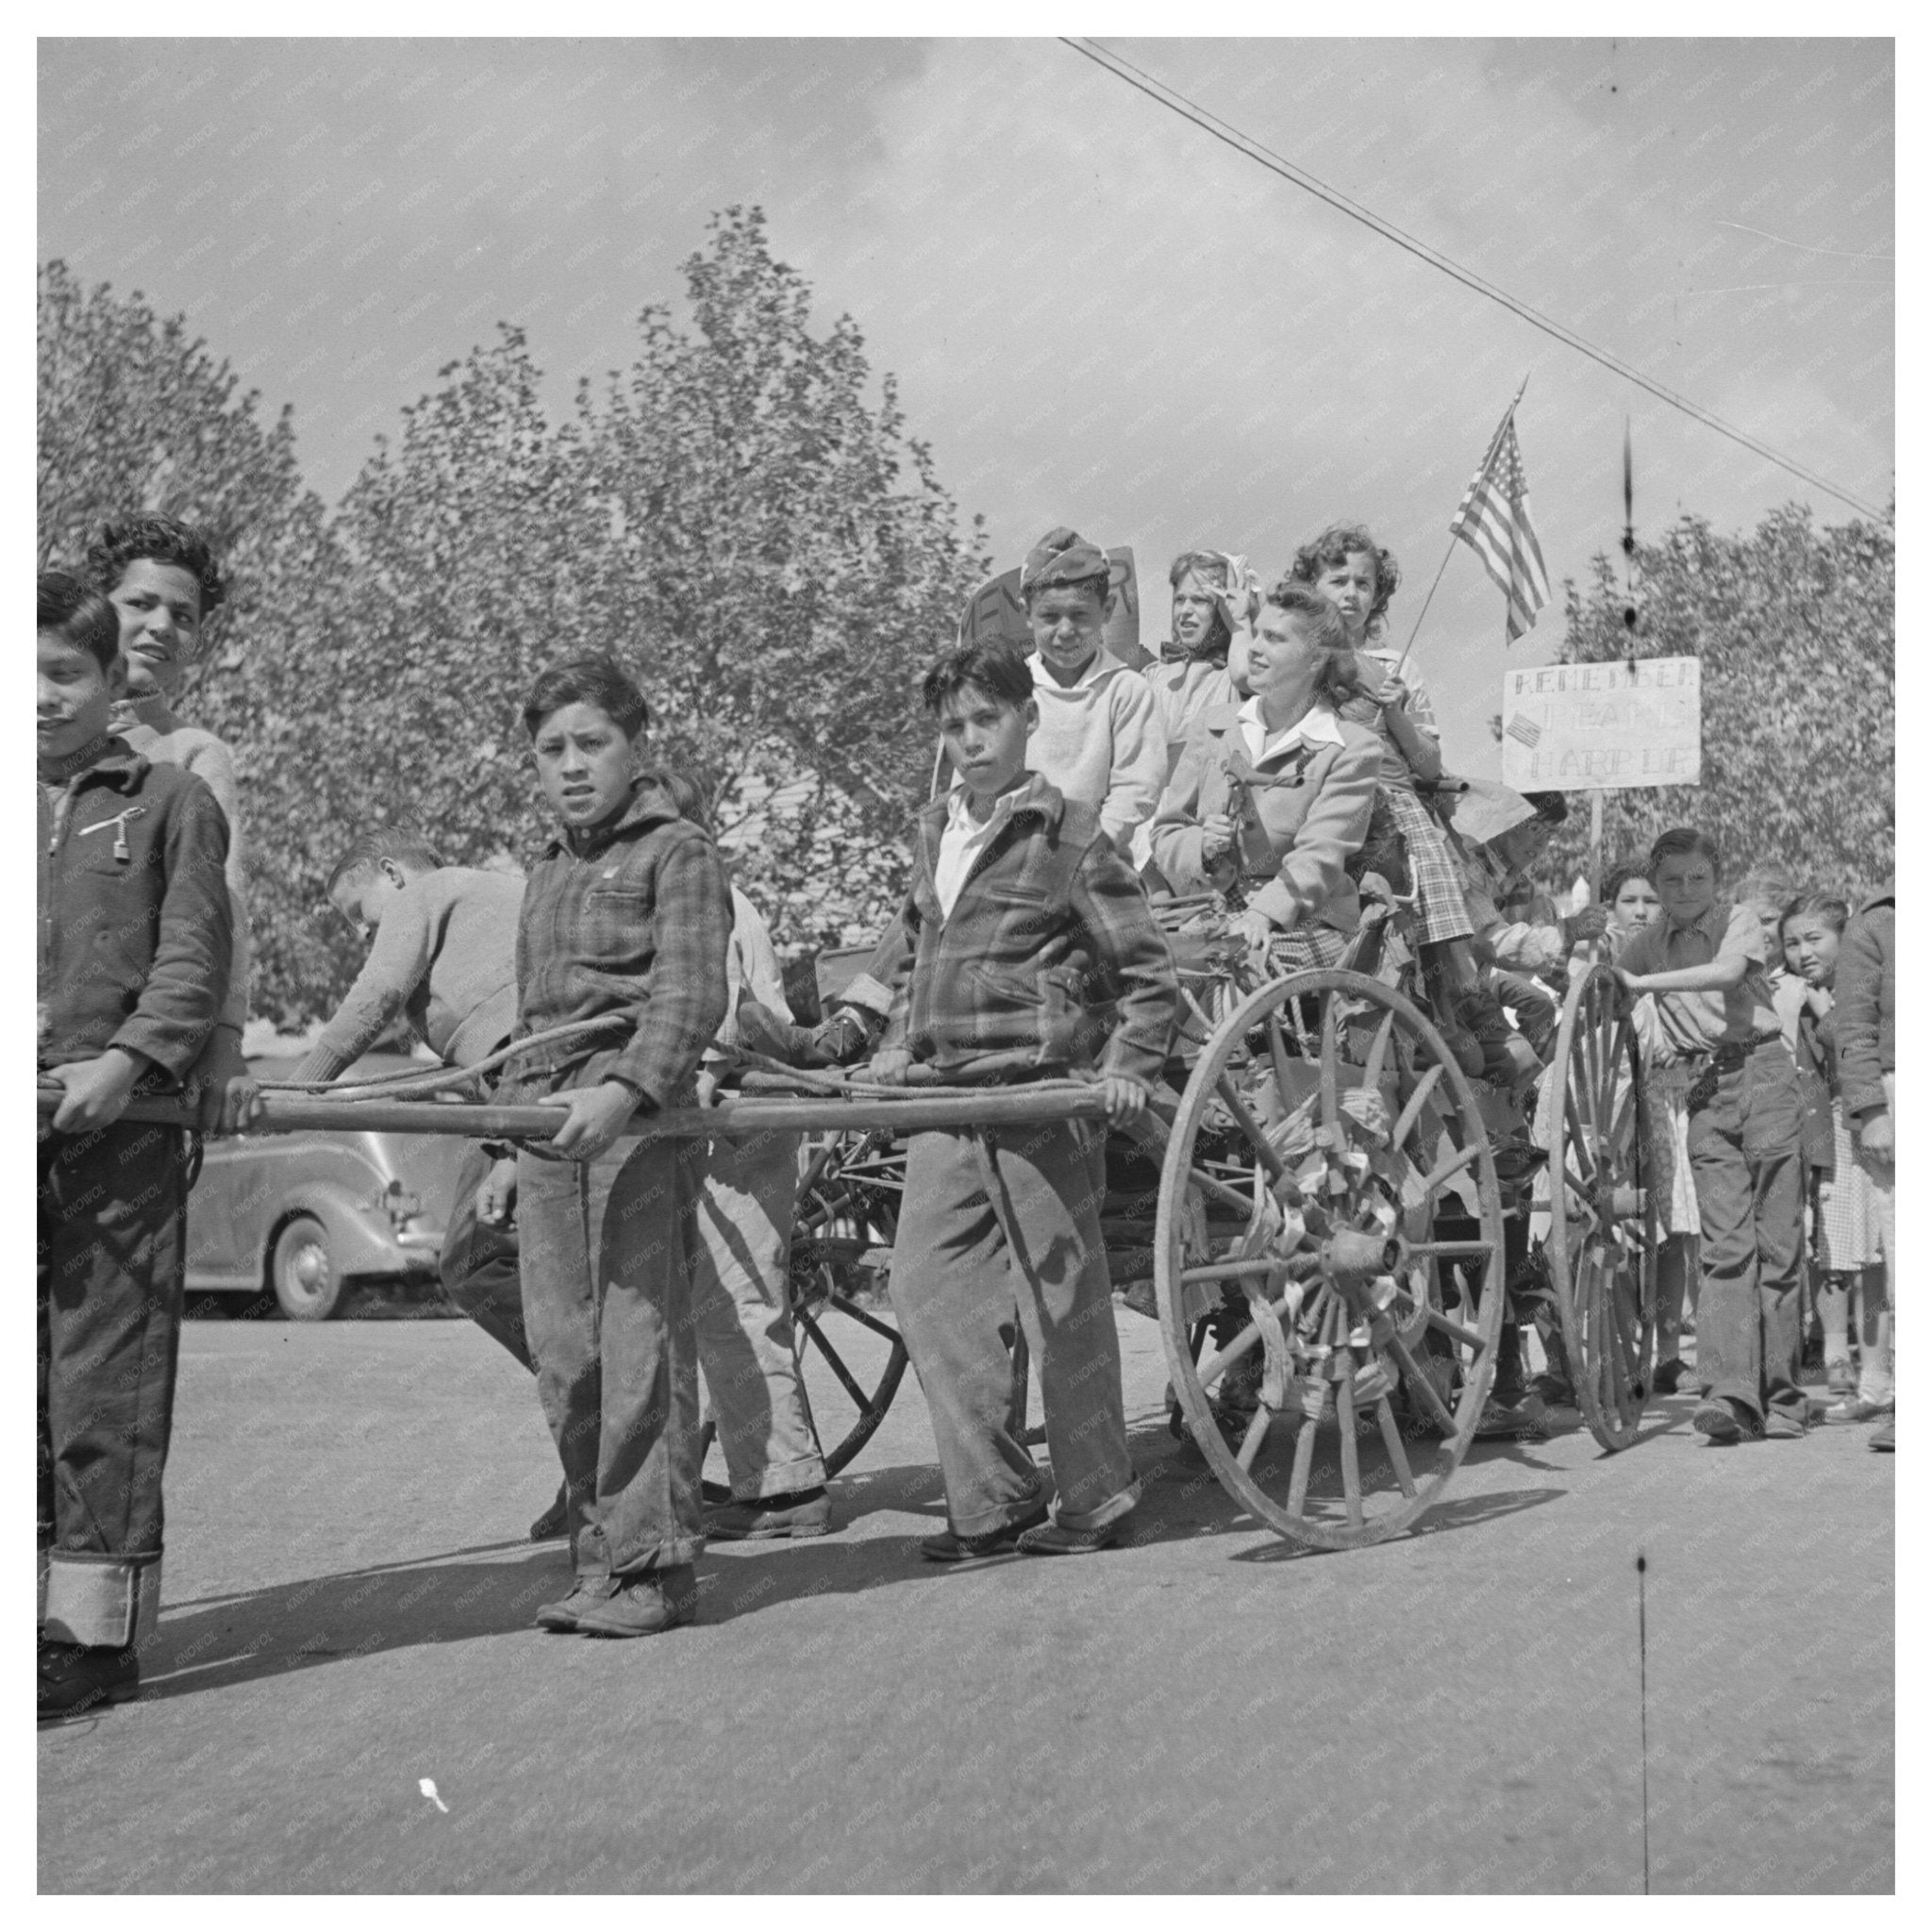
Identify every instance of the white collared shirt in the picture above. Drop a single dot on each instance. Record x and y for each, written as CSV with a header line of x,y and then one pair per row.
x,y
961,844
1319,726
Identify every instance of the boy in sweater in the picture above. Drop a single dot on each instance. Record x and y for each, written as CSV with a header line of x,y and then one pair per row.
x,y
1100,740
164,584
1028,952
133,947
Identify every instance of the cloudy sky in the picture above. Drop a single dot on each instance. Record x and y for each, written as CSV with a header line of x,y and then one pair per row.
x,y
1099,315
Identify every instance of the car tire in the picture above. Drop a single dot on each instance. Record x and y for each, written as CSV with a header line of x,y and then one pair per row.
x,y
302,1271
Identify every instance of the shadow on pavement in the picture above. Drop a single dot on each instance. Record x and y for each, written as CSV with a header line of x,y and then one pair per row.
x,y
295,1626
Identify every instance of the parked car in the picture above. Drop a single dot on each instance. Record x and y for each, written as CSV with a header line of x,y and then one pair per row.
x,y
303,1215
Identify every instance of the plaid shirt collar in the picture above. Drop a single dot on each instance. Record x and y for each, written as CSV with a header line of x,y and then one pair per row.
x,y
650,804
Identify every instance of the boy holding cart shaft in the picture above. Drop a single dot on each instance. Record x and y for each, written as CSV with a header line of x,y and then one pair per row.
x,y
135,941
628,913
1033,955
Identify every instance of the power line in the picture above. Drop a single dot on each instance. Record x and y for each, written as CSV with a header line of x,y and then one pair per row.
x,y
1210,123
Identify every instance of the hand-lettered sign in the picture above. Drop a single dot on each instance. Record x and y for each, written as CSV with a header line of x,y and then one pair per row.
x,y
1600,728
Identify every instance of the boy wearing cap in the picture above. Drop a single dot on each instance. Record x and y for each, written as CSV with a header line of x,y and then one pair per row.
x,y
1100,740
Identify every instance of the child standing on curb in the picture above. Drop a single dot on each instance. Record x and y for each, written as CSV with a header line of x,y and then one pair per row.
x,y
1868,1082
1705,960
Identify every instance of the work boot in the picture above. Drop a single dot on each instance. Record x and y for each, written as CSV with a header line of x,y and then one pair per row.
x,y
644,1605
796,1513
586,1593
1724,1422
74,1678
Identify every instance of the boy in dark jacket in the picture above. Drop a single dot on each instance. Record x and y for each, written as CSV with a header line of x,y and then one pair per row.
x,y
1025,950
133,947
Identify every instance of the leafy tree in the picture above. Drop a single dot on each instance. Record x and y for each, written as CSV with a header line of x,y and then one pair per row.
x,y
1794,625
731,518
135,413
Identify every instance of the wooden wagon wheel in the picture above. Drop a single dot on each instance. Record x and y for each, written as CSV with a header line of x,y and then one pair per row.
x,y
851,1358
1311,1160
1602,1243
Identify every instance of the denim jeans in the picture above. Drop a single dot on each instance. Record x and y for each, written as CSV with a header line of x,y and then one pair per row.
x,y
478,1263
1751,1202
740,1265
607,1249
998,1221
112,1247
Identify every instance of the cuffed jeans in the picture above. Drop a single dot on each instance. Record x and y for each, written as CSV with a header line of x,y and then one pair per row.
x,y
478,1263
995,1221
739,1263
112,1229
607,1307
1751,1202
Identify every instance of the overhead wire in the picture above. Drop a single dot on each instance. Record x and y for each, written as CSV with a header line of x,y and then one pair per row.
x,y
1209,122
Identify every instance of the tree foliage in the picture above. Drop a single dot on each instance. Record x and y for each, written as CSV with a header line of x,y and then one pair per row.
x,y
733,517
1794,627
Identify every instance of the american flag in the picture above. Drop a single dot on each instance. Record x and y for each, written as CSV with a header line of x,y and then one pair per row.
x,y
1525,730
1494,520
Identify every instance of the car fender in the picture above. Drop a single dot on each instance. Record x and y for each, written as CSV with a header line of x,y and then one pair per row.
x,y
358,1245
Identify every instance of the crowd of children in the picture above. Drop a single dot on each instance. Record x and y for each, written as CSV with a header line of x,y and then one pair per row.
x,y
1276,749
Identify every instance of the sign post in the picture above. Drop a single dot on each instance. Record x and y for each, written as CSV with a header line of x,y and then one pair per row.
x,y
1602,727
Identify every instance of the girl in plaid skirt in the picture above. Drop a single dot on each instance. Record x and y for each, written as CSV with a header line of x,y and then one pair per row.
x,y
1346,566
1845,1210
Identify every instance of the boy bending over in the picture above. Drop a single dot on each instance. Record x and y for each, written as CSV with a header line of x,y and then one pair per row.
x,y
1032,956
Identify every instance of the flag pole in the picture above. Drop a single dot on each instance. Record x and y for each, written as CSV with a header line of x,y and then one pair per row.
x,y
1508,415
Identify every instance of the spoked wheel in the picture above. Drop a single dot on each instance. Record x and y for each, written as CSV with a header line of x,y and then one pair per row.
x,y
1305,1191
850,1356
847,1343
1602,1246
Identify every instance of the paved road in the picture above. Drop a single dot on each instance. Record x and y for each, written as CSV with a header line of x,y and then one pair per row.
x,y
347,1613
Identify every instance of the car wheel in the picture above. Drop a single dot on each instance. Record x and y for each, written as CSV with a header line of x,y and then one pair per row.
x,y
302,1271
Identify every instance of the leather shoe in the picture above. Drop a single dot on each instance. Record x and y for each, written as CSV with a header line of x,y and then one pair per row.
x,y
1056,1540
586,1594
1782,1426
643,1604
1676,1377
802,1513
948,1548
1722,1421
74,1678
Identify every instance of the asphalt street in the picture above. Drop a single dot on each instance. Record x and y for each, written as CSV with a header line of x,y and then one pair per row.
x,y
346,1693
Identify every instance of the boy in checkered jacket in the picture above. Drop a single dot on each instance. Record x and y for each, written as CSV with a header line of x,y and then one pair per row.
x,y
1025,950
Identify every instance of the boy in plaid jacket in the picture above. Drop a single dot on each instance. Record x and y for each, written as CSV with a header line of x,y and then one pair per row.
x,y
1025,950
